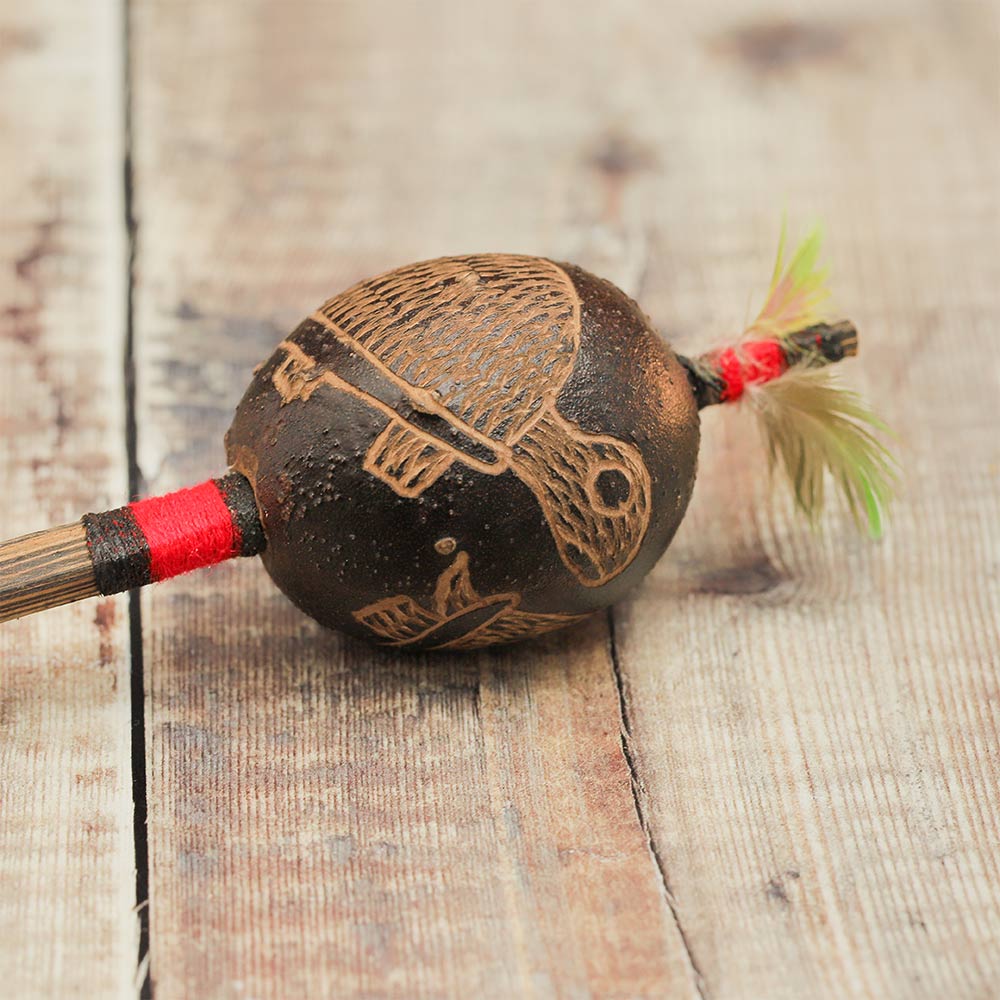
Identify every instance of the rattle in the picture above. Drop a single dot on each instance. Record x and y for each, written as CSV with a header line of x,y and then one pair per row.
x,y
477,449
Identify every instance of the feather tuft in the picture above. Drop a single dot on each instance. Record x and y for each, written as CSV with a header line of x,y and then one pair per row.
x,y
812,425
796,293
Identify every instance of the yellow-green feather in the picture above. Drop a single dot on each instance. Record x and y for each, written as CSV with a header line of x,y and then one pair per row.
x,y
797,292
811,425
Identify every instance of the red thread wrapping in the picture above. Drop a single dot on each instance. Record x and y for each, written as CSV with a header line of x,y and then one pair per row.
x,y
753,362
187,530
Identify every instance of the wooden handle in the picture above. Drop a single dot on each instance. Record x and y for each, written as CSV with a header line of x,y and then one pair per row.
x,y
44,570
128,547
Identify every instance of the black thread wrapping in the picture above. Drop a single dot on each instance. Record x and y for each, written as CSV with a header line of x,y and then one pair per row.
x,y
705,382
238,495
118,551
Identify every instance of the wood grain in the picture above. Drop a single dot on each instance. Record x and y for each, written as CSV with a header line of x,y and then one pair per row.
x,y
810,721
45,569
813,719
327,819
67,882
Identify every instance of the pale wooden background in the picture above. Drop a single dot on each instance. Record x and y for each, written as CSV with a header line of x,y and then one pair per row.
x,y
774,773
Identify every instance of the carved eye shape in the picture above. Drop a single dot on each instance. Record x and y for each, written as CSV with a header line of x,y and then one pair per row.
x,y
612,489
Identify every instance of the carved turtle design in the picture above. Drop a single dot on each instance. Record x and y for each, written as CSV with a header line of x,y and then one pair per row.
x,y
481,347
496,415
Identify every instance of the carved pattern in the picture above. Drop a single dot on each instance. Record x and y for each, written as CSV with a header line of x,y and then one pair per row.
x,y
459,617
486,343
488,336
563,466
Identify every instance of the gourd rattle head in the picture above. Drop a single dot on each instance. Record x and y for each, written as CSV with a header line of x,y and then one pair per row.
x,y
467,450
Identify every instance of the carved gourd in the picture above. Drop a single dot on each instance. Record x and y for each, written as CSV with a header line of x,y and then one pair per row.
x,y
473,450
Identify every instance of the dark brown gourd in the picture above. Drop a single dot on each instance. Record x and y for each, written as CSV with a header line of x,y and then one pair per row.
x,y
467,450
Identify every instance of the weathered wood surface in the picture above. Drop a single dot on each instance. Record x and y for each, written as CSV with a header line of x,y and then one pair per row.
x,y
775,774
809,719
326,819
67,881
814,724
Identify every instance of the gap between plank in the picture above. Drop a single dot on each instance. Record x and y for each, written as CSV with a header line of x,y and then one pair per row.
x,y
137,686
626,740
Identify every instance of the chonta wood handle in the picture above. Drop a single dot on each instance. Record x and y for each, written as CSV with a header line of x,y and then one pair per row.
x,y
44,570
121,549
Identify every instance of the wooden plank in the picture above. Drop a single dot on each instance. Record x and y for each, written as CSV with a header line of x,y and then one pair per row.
x,y
67,881
326,819
813,719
